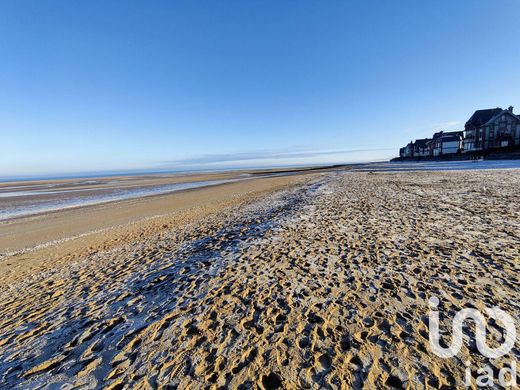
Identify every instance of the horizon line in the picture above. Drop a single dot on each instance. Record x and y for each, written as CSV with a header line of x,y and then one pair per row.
x,y
155,171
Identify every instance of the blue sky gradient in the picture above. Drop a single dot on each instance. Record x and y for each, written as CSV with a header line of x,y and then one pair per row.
x,y
105,85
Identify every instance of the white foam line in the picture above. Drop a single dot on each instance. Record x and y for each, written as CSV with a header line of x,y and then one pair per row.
x,y
6,215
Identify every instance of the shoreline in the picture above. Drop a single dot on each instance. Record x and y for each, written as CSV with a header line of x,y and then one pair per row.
x,y
33,198
139,193
59,236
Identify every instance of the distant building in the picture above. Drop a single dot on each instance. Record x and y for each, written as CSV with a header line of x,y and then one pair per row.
x,y
493,128
447,133
408,150
450,142
421,147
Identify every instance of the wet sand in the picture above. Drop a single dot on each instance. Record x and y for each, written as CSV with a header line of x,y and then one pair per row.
x,y
312,281
22,199
31,244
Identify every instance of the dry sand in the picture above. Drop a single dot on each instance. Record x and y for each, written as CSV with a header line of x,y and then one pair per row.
x,y
316,281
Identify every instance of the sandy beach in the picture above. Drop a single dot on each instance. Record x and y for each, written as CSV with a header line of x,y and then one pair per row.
x,y
318,280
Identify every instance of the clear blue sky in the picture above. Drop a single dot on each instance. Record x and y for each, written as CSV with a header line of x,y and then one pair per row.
x,y
102,85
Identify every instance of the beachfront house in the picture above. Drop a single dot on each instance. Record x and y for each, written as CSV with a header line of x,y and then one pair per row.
x,y
450,142
421,147
492,128
408,150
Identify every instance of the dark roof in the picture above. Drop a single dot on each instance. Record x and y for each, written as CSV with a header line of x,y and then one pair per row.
x,y
448,133
421,143
454,133
481,117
